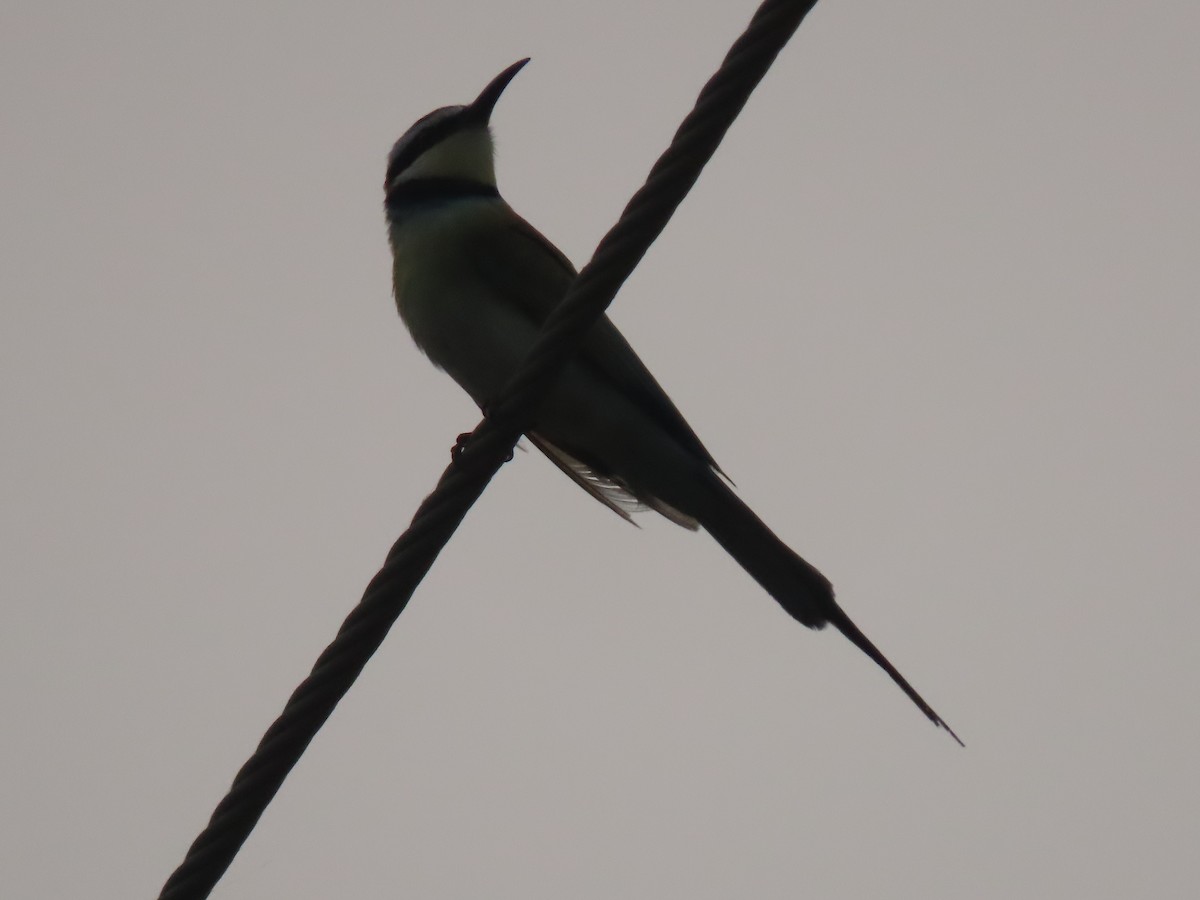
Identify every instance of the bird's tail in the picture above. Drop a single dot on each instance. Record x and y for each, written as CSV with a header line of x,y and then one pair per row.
x,y
800,589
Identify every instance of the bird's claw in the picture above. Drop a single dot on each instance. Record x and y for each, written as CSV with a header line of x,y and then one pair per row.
x,y
460,445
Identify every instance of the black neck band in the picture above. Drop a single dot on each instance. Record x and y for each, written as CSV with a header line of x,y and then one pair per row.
x,y
424,190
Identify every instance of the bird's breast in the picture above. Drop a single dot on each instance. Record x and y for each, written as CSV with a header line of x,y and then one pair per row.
x,y
456,316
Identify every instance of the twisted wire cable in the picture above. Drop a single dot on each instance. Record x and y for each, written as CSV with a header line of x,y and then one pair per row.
x,y
488,447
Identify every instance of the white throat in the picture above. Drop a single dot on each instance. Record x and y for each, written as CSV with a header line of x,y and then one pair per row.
x,y
467,155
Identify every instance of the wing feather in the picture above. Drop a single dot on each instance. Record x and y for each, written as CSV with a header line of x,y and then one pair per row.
x,y
604,489
612,493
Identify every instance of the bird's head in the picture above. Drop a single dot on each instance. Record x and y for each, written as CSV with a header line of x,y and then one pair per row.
x,y
453,142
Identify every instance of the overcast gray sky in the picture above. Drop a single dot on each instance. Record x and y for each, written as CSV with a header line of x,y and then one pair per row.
x,y
933,306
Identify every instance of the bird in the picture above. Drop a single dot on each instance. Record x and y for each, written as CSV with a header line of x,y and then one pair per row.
x,y
473,282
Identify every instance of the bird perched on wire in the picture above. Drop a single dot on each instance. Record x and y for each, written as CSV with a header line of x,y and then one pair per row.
x,y
474,282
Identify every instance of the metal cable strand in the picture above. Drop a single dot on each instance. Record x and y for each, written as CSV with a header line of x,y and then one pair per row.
x,y
489,446
649,210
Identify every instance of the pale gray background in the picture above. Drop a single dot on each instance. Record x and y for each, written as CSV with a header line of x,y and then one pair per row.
x,y
933,306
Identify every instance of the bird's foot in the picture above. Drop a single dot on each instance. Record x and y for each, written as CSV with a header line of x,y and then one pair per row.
x,y
460,445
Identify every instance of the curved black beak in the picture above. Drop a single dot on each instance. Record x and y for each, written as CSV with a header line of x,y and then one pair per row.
x,y
483,105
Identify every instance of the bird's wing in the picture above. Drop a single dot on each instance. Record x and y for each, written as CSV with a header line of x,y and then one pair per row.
x,y
604,350
603,488
609,491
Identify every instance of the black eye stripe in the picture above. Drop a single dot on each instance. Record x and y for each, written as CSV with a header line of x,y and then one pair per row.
x,y
423,140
